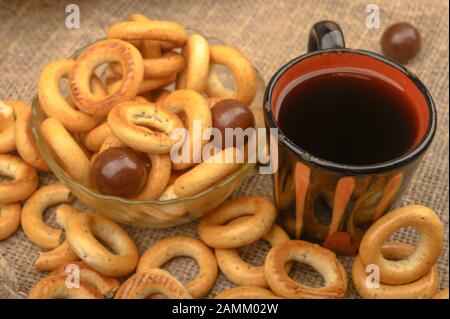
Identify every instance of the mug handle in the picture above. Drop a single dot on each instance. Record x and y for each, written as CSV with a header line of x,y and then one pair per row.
x,y
324,35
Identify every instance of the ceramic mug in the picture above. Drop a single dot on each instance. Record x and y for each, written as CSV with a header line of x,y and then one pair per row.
x,y
332,203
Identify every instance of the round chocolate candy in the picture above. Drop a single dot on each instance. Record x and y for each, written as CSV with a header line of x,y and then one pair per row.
x,y
119,171
401,42
231,113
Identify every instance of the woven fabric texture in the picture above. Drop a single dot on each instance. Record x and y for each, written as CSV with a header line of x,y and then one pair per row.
x,y
270,33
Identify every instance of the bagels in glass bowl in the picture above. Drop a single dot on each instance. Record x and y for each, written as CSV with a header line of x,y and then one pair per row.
x,y
166,211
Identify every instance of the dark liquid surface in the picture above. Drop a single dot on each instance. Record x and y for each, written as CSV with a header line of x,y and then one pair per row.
x,y
348,118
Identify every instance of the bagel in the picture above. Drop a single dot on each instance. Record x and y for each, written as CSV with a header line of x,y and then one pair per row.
x,y
95,138
103,52
149,48
80,231
32,220
207,173
215,232
54,258
70,155
164,250
7,143
243,72
158,177
23,183
195,108
241,273
321,259
144,284
107,286
55,105
428,249
147,84
195,75
215,86
149,30
9,219
128,121
113,81
9,109
25,143
424,287
168,64
6,116
55,287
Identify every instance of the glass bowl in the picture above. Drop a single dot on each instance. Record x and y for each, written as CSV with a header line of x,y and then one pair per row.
x,y
146,213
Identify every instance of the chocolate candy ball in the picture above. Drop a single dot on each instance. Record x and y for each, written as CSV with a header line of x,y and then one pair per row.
x,y
119,171
231,113
401,42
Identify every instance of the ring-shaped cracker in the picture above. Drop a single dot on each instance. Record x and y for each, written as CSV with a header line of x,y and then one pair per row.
x,y
105,51
151,48
54,258
240,272
9,219
321,259
243,72
424,287
428,249
153,281
10,109
23,183
71,156
169,63
164,250
148,84
6,116
196,109
81,232
95,138
55,287
129,122
148,48
54,104
149,30
25,143
207,173
32,219
158,177
215,232
107,286
195,75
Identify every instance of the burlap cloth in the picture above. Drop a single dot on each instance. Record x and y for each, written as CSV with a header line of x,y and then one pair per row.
x,y
270,33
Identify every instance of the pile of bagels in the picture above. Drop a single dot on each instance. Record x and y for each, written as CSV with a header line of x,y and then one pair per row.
x,y
401,271
130,105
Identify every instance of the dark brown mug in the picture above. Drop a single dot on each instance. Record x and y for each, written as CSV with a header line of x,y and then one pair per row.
x,y
327,202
